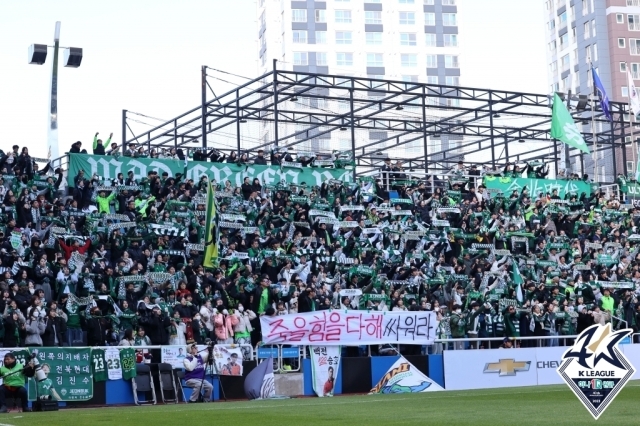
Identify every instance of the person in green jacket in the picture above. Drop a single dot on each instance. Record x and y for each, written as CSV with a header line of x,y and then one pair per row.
x,y
128,318
103,201
511,322
13,376
458,325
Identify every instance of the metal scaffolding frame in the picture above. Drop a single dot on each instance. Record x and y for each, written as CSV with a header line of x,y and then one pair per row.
x,y
307,111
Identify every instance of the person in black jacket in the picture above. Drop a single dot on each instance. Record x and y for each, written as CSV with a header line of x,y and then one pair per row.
x,y
12,328
55,330
96,330
306,300
260,160
156,326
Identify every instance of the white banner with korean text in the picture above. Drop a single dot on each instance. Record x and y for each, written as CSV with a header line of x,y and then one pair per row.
x,y
346,327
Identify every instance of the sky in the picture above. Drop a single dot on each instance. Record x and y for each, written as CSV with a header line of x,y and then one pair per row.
x,y
145,56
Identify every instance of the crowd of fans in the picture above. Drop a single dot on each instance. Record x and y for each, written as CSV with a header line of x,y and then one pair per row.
x,y
121,263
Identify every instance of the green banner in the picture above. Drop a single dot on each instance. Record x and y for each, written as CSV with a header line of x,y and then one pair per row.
x,y
108,167
507,185
68,375
632,190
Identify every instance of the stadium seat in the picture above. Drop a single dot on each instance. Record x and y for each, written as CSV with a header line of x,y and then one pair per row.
x,y
167,382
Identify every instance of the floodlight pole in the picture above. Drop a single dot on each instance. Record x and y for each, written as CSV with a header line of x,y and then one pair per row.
x,y
52,130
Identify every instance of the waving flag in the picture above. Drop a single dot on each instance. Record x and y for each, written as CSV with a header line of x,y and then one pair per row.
x,y
634,99
517,279
602,95
211,231
564,128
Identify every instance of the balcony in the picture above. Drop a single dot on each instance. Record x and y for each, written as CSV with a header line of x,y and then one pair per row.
x,y
634,26
635,75
633,2
635,50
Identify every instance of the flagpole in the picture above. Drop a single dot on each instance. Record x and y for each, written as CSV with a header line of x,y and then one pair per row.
x,y
634,148
593,124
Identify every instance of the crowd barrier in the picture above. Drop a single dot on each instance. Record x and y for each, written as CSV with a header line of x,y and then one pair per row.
x,y
444,363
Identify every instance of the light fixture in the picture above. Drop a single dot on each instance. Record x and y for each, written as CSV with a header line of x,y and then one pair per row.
x,y
496,115
343,128
243,120
521,140
294,98
399,108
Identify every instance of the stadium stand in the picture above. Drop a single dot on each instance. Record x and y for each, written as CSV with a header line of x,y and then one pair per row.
x,y
120,262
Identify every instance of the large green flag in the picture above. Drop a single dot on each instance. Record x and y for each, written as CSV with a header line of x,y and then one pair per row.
x,y
564,128
517,280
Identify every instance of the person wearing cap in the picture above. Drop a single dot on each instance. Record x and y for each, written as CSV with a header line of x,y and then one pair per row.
x,y
194,377
260,160
232,368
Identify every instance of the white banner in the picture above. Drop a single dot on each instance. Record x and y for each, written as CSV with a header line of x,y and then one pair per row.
x,y
173,355
490,368
325,361
114,369
350,328
228,360
404,377
632,352
498,368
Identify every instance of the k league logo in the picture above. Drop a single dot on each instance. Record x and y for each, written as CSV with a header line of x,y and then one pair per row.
x,y
595,369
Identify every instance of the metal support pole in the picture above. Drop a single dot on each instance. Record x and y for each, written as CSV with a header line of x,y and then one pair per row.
x,y
593,124
204,106
506,148
555,155
175,133
238,120
613,153
353,128
424,128
52,131
623,141
493,146
565,148
124,126
275,102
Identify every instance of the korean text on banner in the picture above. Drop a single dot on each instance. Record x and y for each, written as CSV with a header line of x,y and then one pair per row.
x,y
350,328
325,361
507,185
68,374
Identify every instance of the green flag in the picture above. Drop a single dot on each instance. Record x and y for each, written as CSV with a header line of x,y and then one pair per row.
x,y
564,128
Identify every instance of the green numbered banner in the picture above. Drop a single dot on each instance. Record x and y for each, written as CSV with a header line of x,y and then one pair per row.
x,y
68,372
108,167
535,186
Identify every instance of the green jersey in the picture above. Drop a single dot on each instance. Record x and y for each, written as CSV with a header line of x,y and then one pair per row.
x,y
128,363
99,365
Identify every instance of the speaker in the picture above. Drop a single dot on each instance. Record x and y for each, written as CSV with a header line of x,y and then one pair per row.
x,y
72,57
37,54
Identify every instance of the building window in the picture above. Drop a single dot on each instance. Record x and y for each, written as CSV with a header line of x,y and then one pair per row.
x,y
553,67
432,79
565,62
430,19
634,22
587,32
321,37
408,39
552,24
449,19
343,16
619,18
300,58
595,52
585,7
375,60
634,46
373,38
552,45
343,37
409,60
321,58
625,91
345,59
635,71
450,40
621,42
298,15
587,53
372,17
623,67
432,61
630,168
593,28
410,78
321,15
563,19
406,1
299,37
451,61
429,2
407,18
452,81
448,2
564,41
430,40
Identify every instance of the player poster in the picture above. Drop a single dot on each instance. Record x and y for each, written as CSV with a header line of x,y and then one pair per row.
x,y
325,361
